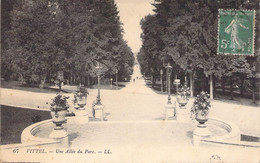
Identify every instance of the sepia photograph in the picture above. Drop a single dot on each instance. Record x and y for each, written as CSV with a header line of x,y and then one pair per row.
x,y
138,81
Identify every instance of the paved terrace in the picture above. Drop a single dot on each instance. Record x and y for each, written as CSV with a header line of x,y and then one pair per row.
x,y
134,125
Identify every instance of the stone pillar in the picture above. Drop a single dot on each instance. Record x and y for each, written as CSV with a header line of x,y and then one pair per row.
x,y
99,111
61,135
170,110
200,132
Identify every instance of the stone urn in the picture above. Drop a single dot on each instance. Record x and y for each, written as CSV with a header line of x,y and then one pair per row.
x,y
59,107
182,100
201,118
81,100
58,117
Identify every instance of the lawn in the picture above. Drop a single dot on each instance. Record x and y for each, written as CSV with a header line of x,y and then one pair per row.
x,y
15,120
30,88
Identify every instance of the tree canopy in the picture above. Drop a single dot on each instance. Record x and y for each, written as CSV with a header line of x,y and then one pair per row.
x,y
72,36
185,33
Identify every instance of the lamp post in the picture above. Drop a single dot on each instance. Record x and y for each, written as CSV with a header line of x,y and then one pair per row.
x,y
98,73
116,79
161,72
98,107
169,69
170,109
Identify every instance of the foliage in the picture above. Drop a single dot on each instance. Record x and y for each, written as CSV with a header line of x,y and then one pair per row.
x,y
59,103
184,33
47,36
32,41
80,93
184,92
94,35
202,104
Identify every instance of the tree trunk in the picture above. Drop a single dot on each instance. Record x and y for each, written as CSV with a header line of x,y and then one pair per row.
x,y
42,82
253,90
223,85
71,79
152,79
205,84
211,86
231,88
242,86
191,84
74,78
60,83
88,81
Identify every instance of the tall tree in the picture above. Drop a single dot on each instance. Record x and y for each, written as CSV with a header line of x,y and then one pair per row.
x,y
33,41
69,36
188,30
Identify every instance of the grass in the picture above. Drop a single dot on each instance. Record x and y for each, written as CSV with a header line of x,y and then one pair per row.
x,y
218,94
54,89
15,120
108,86
26,87
249,138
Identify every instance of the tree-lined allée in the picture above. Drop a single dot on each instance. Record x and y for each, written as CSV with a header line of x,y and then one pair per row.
x,y
185,34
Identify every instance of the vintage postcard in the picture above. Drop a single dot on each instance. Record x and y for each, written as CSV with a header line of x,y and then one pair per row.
x,y
130,81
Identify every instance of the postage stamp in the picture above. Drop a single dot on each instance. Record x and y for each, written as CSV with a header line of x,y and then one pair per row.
x,y
236,32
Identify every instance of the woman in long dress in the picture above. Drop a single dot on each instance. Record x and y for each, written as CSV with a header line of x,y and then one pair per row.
x,y
232,29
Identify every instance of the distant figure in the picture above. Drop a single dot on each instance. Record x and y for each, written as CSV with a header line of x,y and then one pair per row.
x,y
137,77
134,80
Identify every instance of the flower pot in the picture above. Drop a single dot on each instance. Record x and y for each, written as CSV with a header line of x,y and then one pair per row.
x,y
182,101
58,117
81,101
201,118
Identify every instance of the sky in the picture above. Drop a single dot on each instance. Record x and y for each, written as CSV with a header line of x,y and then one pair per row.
x,y
131,12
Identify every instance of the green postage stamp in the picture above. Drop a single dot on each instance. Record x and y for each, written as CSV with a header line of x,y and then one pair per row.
x,y
236,32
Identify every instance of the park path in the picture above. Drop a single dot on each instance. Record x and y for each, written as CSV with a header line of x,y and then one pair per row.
x,y
135,102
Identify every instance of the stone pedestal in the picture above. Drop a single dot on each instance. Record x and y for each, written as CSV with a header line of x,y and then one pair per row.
x,y
81,116
169,111
99,111
200,132
183,115
61,135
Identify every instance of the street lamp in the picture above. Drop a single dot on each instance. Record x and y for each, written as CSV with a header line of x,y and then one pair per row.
x,y
169,69
98,107
170,109
161,72
116,79
98,73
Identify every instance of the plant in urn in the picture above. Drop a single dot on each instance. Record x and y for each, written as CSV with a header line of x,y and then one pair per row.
x,y
80,97
200,108
183,96
59,107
